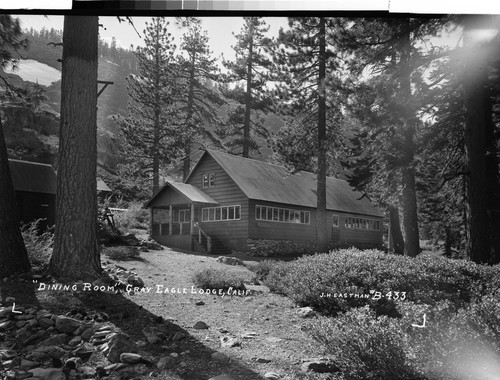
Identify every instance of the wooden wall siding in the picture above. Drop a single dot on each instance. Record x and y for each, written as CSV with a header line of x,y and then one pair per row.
x,y
359,235
226,193
288,231
262,229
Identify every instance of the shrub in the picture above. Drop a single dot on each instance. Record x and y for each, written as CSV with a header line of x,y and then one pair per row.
x,y
136,217
210,278
365,346
425,280
38,244
262,268
121,253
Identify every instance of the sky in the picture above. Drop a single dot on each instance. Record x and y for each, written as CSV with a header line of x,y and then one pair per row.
x,y
219,29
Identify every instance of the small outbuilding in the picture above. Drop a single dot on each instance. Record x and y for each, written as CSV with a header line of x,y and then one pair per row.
x,y
233,203
35,186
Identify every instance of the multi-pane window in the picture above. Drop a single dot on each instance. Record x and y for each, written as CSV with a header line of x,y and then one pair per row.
x,y
213,214
362,223
181,216
285,215
335,221
208,180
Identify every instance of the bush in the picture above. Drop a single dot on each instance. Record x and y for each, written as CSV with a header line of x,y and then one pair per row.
x,y
262,268
121,253
425,280
219,279
38,244
136,217
365,346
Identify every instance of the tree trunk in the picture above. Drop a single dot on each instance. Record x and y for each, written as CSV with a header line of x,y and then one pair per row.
x,y
476,126
322,228
410,215
76,251
248,98
13,255
396,238
190,127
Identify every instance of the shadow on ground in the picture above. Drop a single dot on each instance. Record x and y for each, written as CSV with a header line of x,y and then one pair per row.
x,y
132,319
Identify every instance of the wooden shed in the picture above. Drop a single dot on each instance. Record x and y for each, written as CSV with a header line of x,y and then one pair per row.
x,y
233,202
35,186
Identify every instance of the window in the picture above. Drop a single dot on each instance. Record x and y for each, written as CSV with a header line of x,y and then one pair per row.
x,y
335,221
184,216
277,214
208,180
214,214
359,223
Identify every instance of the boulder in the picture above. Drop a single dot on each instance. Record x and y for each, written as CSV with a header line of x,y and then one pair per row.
x,y
117,345
151,335
305,312
66,324
200,325
166,362
230,260
48,373
320,366
130,358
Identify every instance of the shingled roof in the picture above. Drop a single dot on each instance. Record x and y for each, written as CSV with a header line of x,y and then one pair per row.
x,y
273,183
36,177
32,176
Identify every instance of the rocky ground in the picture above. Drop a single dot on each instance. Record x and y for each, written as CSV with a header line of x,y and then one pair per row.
x,y
153,322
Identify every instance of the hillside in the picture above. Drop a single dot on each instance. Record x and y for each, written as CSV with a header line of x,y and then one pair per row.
x,y
34,135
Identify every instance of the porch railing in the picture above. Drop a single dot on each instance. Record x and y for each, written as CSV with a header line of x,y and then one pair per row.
x,y
202,234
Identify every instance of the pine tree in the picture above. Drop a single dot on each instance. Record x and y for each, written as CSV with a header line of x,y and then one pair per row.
x,y
76,249
250,72
389,48
151,129
307,63
199,103
13,254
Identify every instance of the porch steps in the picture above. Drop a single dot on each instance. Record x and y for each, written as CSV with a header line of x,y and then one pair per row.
x,y
218,247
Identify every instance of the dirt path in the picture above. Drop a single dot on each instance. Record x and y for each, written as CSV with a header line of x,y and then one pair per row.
x,y
266,325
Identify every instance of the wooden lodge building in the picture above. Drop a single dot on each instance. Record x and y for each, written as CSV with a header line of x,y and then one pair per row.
x,y
233,202
35,186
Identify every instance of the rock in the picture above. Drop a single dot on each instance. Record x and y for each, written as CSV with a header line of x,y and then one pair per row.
x,y
271,375
141,343
48,373
130,358
86,335
305,312
178,336
166,362
151,244
320,366
151,335
223,376
200,325
230,260
263,360
26,365
66,324
174,354
220,357
87,372
51,351
135,281
54,340
273,339
7,354
249,335
131,240
118,344
75,341
45,323
229,341
200,303
72,363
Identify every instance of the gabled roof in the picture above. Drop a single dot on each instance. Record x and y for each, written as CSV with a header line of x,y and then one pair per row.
x,y
36,177
190,192
32,176
273,183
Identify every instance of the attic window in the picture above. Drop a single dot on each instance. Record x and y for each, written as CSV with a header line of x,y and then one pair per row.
x,y
208,180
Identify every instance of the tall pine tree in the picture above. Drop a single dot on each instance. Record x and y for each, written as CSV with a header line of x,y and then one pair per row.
x,y
199,103
13,255
151,127
250,71
307,64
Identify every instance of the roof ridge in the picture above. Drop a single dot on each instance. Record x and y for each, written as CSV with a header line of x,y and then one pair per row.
x,y
269,163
